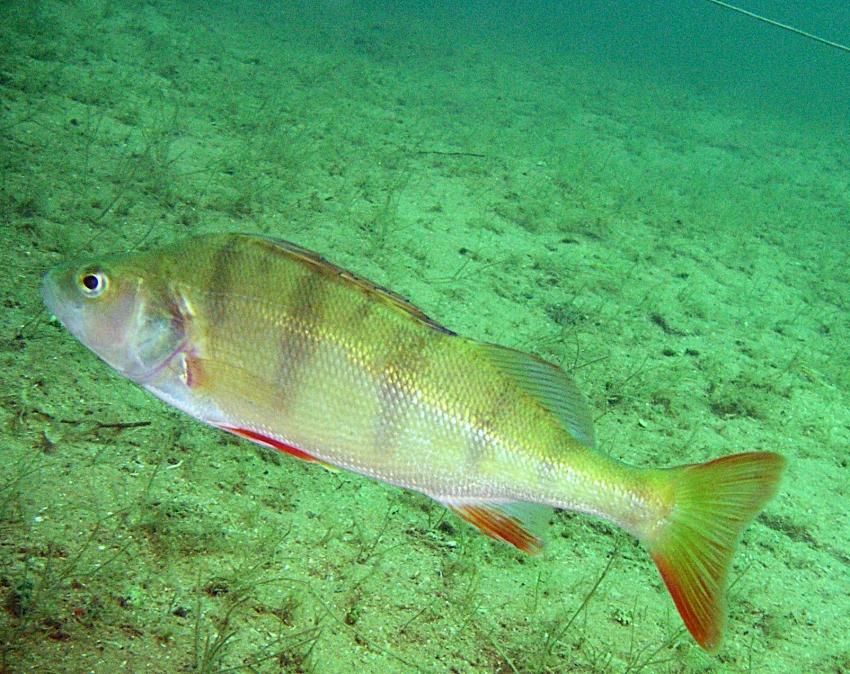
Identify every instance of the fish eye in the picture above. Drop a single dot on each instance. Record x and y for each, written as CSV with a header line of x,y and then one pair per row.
x,y
92,282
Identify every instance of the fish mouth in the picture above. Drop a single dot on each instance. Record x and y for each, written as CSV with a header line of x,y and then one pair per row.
x,y
48,292
55,300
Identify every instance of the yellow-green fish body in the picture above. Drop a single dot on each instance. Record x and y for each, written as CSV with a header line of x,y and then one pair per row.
x,y
271,342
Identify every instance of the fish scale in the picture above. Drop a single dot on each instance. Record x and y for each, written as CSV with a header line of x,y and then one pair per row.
x,y
271,342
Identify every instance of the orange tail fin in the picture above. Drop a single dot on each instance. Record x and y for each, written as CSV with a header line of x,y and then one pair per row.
x,y
713,502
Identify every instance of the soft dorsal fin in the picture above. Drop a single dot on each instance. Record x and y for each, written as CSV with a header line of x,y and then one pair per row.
x,y
549,385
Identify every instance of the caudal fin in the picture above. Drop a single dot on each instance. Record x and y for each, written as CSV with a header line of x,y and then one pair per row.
x,y
712,503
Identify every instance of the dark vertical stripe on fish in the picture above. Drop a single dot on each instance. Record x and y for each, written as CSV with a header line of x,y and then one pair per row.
x,y
493,415
220,280
299,340
397,384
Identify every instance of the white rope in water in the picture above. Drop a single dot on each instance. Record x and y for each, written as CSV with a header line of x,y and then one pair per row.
x,y
784,26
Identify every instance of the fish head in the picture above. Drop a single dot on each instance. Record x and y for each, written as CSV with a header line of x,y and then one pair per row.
x,y
120,309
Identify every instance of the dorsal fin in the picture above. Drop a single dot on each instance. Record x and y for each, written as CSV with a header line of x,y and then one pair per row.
x,y
549,385
322,266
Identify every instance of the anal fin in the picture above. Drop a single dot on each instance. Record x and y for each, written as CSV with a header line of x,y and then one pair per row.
x,y
514,522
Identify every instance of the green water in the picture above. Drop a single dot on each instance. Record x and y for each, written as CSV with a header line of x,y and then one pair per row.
x,y
655,196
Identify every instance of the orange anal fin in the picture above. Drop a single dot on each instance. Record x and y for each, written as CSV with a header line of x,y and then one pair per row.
x,y
511,522
274,443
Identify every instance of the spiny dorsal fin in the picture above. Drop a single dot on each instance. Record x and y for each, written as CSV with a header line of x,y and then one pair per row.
x,y
321,265
549,385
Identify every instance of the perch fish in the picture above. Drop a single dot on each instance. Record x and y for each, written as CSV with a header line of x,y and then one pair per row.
x,y
268,340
